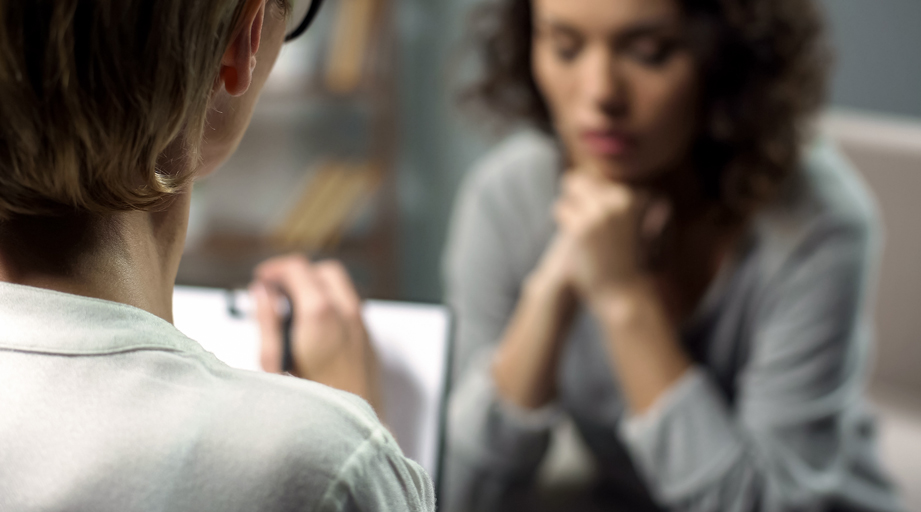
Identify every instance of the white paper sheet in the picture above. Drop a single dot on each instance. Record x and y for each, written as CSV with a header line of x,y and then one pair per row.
x,y
411,341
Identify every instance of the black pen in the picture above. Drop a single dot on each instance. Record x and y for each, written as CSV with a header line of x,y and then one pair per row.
x,y
284,309
287,321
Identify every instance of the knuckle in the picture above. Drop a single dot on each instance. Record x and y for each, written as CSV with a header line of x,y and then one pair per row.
x,y
281,263
297,261
331,268
334,265
317,309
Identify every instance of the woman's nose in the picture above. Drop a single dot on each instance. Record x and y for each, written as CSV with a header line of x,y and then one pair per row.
x,y
602,84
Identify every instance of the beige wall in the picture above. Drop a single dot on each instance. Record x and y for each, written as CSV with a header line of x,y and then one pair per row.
x,y
888,153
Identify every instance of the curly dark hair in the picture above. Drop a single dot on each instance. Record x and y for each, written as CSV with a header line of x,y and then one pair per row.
x,y
763,65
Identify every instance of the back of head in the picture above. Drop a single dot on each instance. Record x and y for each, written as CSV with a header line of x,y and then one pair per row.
x,y
94,92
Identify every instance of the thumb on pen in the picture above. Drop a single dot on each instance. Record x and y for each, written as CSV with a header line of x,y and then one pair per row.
x,y
271,344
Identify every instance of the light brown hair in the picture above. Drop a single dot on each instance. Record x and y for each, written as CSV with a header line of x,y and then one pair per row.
x,y
92,93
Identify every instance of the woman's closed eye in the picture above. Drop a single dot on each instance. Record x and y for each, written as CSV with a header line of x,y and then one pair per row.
x,y
567,51
652,52
565,43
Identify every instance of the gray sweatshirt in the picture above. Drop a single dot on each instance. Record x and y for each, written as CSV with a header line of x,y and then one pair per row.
x,y
770,418
105,407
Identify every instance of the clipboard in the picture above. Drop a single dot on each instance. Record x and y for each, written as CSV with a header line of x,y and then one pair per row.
x,y
412,342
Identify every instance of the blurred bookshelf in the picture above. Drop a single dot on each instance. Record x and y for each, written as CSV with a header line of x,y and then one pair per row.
x,y
315,172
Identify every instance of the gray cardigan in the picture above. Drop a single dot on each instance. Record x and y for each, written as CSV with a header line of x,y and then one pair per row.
x,y
771,417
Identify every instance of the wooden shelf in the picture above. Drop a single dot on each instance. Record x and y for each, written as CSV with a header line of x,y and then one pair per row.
x,y
305,122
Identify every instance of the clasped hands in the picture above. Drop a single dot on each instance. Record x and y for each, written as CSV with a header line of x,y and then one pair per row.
x,y
604,229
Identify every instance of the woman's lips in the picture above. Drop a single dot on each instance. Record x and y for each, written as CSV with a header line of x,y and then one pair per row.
x,y
608,143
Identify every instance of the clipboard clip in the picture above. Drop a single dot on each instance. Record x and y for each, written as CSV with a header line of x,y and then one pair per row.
x,y
239,306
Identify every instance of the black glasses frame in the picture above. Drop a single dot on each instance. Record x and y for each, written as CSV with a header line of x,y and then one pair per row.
x,y
305,23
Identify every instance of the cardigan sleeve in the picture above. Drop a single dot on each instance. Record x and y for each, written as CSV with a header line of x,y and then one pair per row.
x,y
781,444
493,446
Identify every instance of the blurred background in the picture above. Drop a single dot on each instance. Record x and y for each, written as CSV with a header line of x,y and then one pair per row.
x,y
358,146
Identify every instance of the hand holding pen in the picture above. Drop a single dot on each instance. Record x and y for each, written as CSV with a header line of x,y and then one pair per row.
x,y
328,340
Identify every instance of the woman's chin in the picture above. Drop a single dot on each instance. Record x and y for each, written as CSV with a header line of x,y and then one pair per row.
x,y
618,171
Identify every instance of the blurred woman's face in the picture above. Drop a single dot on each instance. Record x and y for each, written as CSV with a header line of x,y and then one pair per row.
x,y
620,83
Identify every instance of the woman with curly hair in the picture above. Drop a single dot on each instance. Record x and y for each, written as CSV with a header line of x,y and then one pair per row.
x,y
667,258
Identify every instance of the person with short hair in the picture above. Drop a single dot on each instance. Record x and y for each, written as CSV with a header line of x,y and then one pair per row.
x,y
109,110
667,256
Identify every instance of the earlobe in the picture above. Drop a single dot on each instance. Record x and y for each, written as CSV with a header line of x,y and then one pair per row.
x,y
230,79
239,60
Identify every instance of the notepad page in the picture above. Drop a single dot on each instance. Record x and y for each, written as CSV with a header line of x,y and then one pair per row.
x,y
411,342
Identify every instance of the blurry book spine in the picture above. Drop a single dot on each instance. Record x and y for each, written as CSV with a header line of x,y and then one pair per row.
x,y
330,200
350,44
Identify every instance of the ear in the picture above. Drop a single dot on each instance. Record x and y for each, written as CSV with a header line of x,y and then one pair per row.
x,y
239,59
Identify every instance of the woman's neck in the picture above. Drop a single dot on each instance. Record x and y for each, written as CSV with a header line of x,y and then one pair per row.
x,y
128,257
700,241
684,191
